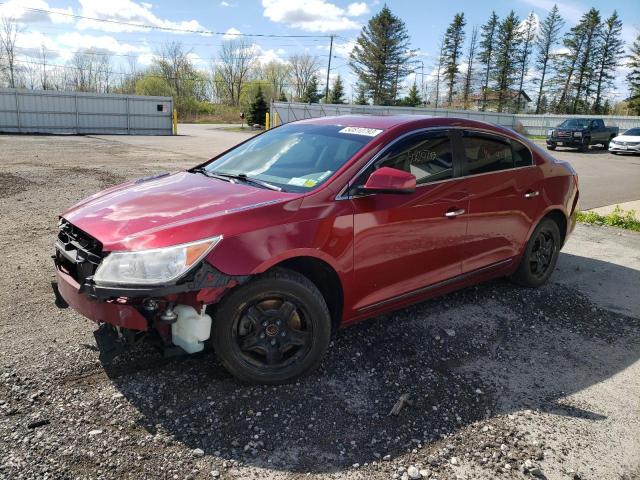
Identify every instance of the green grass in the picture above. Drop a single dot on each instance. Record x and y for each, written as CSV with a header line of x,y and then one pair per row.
x,y
537,137
617,218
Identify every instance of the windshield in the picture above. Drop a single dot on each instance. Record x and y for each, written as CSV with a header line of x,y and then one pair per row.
x,y
633,132
293,157
575,123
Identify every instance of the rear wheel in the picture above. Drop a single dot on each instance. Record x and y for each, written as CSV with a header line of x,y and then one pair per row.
x,y
273,329
540,256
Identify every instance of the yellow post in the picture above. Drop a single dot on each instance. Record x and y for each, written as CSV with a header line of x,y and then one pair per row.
x,y
266,121
276,119
175,122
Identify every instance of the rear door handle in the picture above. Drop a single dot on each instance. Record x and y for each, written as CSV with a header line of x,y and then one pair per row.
x,y
454,213
531,194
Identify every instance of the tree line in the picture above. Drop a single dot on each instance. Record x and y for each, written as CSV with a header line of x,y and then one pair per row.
x,y
506,64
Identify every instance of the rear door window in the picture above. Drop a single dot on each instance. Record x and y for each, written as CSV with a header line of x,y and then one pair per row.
x,y
484,153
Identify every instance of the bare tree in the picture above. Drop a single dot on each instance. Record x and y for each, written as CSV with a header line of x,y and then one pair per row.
x,y
174,65
278,75
303,68
237,58
471,55
9,30
44,84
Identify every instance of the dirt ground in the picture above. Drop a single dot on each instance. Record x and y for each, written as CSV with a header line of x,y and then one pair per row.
x,y
503,382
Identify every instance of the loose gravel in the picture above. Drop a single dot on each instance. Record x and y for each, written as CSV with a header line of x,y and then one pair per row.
x,y
495,379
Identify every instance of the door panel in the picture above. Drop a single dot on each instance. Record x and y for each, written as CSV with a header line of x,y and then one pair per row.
x,y
504,198
405,242
500,215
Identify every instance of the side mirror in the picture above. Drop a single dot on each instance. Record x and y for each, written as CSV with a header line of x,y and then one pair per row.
x,y
389,180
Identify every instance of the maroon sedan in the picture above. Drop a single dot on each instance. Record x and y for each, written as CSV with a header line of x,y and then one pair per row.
x,y
266,250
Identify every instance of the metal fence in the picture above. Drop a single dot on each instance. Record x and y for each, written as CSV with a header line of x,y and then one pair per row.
x,y
529,124
45,111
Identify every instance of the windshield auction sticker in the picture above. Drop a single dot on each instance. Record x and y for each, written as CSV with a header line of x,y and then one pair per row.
x,y
369,132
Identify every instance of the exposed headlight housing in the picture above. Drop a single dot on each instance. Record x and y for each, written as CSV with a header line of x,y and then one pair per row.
x,y
152,267
577,134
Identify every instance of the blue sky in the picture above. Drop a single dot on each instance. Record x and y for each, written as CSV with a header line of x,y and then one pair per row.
x,y
425,20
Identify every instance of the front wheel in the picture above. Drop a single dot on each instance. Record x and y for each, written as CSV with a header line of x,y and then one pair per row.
x,y
551,146
273,329
584,146
540,256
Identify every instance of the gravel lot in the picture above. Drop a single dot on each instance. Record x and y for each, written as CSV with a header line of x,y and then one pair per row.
x,y
503,382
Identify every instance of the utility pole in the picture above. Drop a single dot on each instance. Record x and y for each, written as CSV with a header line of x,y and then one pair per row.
x,y
422,80
326,88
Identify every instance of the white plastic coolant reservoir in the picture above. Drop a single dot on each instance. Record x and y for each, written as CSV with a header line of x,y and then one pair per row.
x,y
191,329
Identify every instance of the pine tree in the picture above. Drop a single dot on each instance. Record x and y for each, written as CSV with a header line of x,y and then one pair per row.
x,y
545,42
381,56
471,54
589,27
413,98
283,97
528,31
257,109
453,41
508,43
487,52
609,57
337,92
633,77
566,64
361,99
311,94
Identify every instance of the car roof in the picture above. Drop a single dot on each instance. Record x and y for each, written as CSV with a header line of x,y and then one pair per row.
x,y
386,122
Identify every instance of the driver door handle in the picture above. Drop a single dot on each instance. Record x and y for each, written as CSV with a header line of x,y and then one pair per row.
x,y
454,213
531,194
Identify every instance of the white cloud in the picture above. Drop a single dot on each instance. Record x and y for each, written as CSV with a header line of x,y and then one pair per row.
x,y
225,4
231,34
16,10
310,15
357,9
569,10
127,11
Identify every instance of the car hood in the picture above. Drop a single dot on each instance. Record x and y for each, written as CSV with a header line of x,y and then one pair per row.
x,y
154,212
627,138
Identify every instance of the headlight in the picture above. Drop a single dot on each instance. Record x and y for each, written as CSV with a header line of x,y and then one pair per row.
x,y
152,267
549,133
577,134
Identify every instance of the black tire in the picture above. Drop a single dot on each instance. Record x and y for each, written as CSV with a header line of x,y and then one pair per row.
x,y
539,259
273,329
584,147
551,147
605,145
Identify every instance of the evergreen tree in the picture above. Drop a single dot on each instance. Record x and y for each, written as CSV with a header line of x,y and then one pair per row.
x,y
337,92
487,51
381,56
311,94
413,98
545,42
283,97
471,54
566,66
590,28
609,58
633,77
361,99
528,31
257,109
509,40
453,41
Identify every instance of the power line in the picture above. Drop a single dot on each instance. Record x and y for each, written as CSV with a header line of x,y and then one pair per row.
x,y
168,29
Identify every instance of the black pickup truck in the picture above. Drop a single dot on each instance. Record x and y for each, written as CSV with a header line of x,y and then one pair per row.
x,y
580,133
